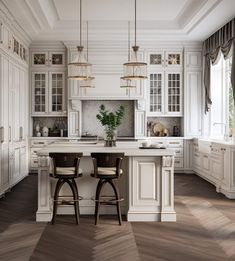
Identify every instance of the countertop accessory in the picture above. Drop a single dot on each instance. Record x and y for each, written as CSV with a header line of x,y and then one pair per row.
x,y
158,129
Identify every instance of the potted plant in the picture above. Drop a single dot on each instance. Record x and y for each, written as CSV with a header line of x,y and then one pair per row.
x,y
110,120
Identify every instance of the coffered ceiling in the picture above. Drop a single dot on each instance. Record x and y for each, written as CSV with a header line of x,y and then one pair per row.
x,y
157,19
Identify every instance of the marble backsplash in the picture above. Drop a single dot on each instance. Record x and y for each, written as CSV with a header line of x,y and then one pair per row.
x,y
167,122
92,126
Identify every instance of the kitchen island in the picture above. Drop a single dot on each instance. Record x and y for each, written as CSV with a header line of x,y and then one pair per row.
x,y
147,184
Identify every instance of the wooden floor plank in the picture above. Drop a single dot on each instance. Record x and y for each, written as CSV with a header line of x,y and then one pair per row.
x,y
205,230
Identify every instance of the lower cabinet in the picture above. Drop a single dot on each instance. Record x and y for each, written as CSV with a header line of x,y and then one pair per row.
x,y
216,166
4,170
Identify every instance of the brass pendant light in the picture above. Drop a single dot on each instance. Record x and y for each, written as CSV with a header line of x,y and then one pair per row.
x,y
88,82
135,69
125,82
79,69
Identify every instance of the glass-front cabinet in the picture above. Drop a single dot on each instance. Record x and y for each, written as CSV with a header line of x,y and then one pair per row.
x,y
52,59
48,93
164,59
165,94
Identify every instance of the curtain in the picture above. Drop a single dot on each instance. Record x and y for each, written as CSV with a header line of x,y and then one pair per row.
x,y
222,40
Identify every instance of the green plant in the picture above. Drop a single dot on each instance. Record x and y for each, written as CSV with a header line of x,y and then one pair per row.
x,y
111,120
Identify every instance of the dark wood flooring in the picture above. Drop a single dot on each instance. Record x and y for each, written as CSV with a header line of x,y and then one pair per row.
x,y
205,230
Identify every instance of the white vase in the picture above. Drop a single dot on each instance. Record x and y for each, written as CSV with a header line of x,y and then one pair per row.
x,y
45,131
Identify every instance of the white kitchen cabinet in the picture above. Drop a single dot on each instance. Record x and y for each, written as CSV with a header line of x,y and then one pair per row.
x,y
165,94
73,128
48,94
150,189
47,58
193,93
163,59
4,170
6,37
140,124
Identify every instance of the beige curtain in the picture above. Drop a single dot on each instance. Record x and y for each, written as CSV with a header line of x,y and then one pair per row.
x,y
222,40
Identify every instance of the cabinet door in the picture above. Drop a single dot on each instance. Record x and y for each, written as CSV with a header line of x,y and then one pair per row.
x,y
4,169
140,124
73,124
56,93
16,105
192,104
4,98
156,94
6,37
173,59
56,59
39,93
174,94
23,164
156,59
39,59
14,165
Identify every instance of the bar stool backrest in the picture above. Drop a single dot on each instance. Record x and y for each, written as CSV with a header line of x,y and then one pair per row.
x,y
107,160
66,160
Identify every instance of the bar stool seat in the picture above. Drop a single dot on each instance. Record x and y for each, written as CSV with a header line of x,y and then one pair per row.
x,y
107,167
66,169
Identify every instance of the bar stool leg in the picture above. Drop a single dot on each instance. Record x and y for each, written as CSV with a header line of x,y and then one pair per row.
x,y
59,184
116,191
76,190
75,198
97,198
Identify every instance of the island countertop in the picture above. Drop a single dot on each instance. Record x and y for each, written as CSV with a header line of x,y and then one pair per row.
x,y
129,148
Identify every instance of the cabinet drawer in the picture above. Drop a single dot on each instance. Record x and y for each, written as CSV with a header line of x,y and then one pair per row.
x,y
38,143
34,163
179,163
174,144
178,152
33,151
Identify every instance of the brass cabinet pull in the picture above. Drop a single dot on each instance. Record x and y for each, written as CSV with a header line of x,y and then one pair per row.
x,y
2,134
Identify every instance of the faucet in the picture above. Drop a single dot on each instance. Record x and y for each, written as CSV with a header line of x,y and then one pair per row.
x,y
226,137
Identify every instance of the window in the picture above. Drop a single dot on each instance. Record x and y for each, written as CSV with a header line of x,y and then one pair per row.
x,y
222,109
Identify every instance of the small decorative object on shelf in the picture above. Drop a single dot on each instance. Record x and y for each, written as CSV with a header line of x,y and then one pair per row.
x,y
110,120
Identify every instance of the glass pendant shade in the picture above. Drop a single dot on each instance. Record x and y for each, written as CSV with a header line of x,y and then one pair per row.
x,y
135,69
87,83
127,83
79,68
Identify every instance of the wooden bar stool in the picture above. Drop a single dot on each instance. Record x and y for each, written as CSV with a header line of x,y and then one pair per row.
x,y
66,170
107,168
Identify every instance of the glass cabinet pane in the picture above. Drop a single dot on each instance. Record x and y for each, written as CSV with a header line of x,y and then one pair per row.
x,y
173,59
155,92
39,59
39,92
57,92
156,59
57,59
174,92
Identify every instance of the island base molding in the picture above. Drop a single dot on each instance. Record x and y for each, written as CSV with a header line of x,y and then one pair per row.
x,y
160,217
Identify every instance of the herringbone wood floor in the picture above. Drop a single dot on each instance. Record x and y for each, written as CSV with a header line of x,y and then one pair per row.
x,y
205,230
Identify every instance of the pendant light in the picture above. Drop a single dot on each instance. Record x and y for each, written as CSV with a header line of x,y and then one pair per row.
x,y
88,82
79,69
135,69
128,83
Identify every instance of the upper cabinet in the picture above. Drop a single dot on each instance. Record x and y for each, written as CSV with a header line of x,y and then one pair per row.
x,y
10,43
52,59
48,93
48,80
163,59
165,83
165,94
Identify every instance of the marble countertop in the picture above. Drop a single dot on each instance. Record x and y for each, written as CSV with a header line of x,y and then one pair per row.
x,y
130,149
